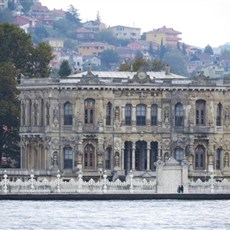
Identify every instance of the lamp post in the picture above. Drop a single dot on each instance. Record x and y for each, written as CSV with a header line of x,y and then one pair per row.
x,y
212,182
100,174
58,181
32,180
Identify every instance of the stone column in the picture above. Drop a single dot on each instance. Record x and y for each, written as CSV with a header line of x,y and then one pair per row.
x,y
133,115
122,155
148,115
159,151
133,155
123,115
148,156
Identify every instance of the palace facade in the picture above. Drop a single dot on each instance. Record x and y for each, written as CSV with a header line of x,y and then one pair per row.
x,y
122,121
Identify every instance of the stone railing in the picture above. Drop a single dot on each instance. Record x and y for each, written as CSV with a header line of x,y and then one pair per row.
x,y
60,185
31,183
210,186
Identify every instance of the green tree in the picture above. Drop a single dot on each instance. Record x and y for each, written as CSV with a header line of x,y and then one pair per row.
x,y
135,65
72,16
40,33
6,16
16,47
157,65
26,4
9,112
177,62
208,50
41,57
65,69
109,57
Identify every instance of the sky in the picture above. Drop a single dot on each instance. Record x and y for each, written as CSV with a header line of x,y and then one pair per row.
x,y
201,22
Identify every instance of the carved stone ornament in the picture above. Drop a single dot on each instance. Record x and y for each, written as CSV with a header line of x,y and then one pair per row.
x,y
141,77
90,78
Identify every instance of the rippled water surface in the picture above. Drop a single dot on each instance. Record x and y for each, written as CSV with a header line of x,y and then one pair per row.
x,y
151,214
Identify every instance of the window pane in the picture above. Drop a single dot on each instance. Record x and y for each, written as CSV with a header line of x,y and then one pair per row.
x,y
68,114
128,114
68,158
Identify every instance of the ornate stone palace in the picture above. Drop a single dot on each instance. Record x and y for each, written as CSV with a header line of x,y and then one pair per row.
x,y
122,121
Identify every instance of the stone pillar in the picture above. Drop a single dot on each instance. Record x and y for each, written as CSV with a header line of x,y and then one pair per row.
x,y
79,155
133,115
148,115
133,155
123,115
122,157
184,176
210,162
159,151
148,156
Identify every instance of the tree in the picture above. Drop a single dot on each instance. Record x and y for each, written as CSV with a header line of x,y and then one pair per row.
x,y
157,65
135,65
16,47
9,112
176,61
39,33
109,57
41,57
72,16
26,4
64,70
208,50
18,57
6,16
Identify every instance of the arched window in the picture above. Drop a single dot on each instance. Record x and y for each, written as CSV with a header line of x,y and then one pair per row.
x,y
199,157
179,154
68,158
218,158
200,112
179,115
154,109
108,113
89,157
128,114
68,114
141,115
219,115
89,111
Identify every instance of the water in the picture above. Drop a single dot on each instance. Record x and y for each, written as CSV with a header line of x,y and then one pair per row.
x,y
151,214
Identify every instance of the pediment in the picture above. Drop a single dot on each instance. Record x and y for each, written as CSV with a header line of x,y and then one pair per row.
x,y
90,79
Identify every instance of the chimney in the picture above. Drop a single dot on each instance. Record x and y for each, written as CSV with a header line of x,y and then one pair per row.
x,y
167,70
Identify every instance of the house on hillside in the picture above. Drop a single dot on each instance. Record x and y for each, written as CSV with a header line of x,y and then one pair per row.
x,y
167,36
93,48
3,4
41,13
25,21
125,32
58,14
94,26
85,35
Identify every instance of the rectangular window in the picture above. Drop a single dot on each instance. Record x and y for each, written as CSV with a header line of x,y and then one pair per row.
x,y
218,159
128,115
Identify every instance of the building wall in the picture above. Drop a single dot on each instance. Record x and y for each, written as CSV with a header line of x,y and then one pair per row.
x,y
58,133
